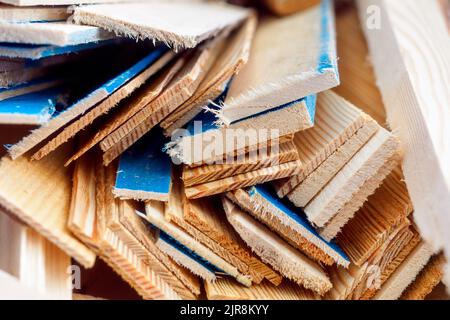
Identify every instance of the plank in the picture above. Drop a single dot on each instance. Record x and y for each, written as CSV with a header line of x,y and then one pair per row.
x,y
261,158
79,107
133,254
34,52
427,280
229,63
178,24
289,223
180,88
349,180
33,260
51,33
318,179
82,221
273,250
227,289
406,273
414,96
144,95
292,69
28,189
244,180
139,73
155,215
195,143
383,212
32,14
336,121
144,171
286,7
30,87
35,108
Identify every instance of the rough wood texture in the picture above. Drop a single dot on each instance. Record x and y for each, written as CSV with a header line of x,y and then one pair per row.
x,y
133,257
32,14
29,189
180,88
285,7
155,215
427,280
414,37
154,62
244,180
276,252
261,158
317,180
384,211
351,178
230,62
33,260
139,100
227,289
336,121
282,69
179,24
288,224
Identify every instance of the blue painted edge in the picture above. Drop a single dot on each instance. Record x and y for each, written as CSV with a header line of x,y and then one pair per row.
x,y
45,51
28,84
294,213
145,167
327,26
188,252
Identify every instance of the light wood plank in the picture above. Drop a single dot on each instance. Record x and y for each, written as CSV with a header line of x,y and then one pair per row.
x,y
32,14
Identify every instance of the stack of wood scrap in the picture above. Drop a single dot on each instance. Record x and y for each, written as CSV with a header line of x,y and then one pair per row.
x,y
200,150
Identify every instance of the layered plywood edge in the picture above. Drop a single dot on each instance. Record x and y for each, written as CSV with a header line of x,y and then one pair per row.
x,y
204,221
125,243
414,94
36,263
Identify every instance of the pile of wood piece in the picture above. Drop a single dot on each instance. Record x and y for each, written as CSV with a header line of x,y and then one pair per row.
x,y
202,149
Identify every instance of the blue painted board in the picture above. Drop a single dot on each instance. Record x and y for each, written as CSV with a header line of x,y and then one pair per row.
x,y
294,213
145,167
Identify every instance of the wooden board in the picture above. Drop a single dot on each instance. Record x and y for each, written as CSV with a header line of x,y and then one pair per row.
x,y
137,75
273,250
286,7
383,212
33,108
317,180
51,33
180,88
427,279
144,171
244,180
179,24
349,180
32,14
229,62
414,96
261,158
292,69
336,121
155,215
144,95
288,223
405,274
227,289
194,144
127,246
30,87
29,189
79,107
33,260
